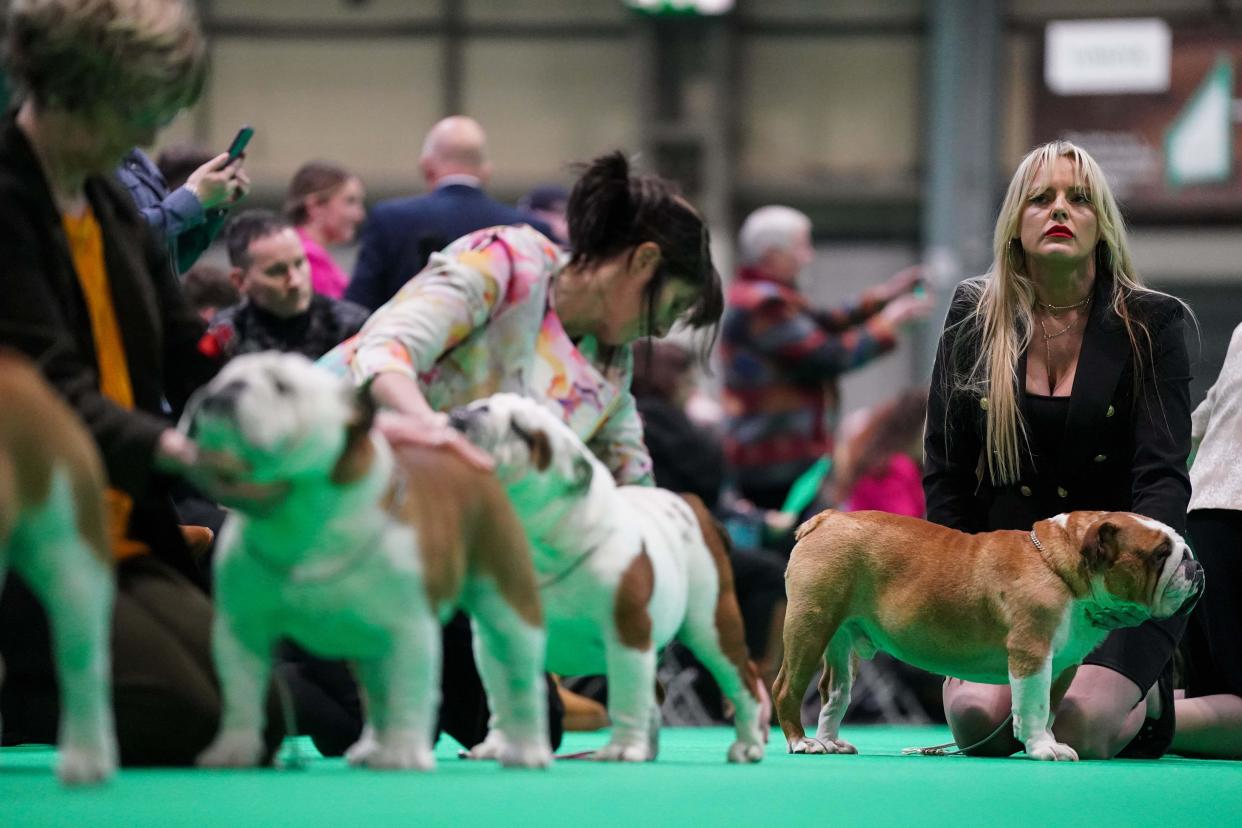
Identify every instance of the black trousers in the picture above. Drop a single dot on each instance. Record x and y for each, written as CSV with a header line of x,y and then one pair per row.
x,y
1212,649
165,694
329,709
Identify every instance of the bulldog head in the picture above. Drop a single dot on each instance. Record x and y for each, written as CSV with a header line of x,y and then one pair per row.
x,y
526,439
1139,568
281,414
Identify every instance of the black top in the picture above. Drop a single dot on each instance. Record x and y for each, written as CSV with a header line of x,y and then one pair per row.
x,y
1125,438
1045,419
44,315
246,328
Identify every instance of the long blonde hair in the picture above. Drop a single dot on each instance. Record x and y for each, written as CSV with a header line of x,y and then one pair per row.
x,y
1000,321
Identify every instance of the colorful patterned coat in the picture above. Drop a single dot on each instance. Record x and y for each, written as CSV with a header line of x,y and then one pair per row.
x,y
478,320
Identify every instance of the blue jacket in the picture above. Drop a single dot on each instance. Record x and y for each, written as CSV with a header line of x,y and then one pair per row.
x,y
178,218
400,235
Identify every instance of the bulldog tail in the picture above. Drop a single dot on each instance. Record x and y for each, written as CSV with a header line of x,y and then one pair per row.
x,y
812,523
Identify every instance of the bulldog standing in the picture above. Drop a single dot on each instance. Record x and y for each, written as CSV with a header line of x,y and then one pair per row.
x,y
53,533
371,550
996,607
623,570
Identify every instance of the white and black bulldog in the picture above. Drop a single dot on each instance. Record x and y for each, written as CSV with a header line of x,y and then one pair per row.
x,y
372,548
53,532
622,570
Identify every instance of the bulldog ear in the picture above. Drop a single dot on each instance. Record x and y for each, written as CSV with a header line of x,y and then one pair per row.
x,y
1100,547
537,443
356,457
540,449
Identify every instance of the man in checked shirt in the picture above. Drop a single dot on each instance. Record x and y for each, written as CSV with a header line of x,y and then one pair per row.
x,y
782,358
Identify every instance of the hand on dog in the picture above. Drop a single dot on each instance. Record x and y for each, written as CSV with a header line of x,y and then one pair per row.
x,y
431,429
216,474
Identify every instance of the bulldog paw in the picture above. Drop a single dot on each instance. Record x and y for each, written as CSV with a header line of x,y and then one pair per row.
x,y
532,754
83,765
490,749
358,752
401,750
1050,750
622,752
818,746
745,753
233,749
401,757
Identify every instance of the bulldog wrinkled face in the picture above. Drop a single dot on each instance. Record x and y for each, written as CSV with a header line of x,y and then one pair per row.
x,y
1144,562
279,412
525,438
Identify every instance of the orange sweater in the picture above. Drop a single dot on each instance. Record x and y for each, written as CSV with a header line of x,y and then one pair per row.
x,y
86,245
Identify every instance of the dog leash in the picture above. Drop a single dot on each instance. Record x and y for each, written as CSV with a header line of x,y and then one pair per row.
x,y
944,749
567,571
291,756
951,748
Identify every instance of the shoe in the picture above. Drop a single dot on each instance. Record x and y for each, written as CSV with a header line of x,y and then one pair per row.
x,y
1154,737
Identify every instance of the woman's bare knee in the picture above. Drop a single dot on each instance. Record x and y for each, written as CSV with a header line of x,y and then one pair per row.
x,y
977,717
1095,717
1092,727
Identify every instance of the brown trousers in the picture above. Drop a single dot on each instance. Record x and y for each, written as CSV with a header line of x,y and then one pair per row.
x,y
165,694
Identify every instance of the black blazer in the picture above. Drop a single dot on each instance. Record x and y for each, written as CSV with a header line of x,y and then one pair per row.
x,y
400,235
43,313
1123,450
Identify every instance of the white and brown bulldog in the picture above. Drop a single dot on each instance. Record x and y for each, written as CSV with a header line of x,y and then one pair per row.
x,y
622,571
371,550
53,532
997,607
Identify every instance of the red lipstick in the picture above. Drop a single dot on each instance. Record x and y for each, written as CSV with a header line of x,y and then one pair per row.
x,y
1058,231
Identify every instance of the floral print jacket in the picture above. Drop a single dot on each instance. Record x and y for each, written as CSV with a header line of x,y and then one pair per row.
x,y
479,320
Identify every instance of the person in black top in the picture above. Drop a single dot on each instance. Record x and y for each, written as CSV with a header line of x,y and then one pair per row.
x,y
1062,384
279,311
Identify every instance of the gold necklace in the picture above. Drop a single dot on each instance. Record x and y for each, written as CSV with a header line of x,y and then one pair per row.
x,y
1081,303
1049,337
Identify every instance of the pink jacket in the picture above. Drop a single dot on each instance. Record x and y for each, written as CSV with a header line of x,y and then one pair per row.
x,y
897,490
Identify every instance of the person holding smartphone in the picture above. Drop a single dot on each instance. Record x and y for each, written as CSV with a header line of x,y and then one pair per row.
x,y
90,297
188,218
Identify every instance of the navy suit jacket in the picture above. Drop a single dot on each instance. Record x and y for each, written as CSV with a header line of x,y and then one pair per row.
x,y
400,235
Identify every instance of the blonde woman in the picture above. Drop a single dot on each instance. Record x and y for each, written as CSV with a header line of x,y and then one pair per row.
x,y
89,294
1061,383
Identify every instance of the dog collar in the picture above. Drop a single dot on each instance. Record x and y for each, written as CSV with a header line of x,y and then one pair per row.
x,y
567,571
1043,553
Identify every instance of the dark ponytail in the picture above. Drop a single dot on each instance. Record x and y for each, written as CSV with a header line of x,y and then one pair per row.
x,y
612,210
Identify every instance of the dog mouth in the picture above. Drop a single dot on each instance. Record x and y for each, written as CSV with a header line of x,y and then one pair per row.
x,y
1181,589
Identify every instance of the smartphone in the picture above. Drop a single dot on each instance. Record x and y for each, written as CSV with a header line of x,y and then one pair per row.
x,y
240,140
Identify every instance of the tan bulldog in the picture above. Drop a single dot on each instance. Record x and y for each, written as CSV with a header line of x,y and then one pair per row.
x,y
53,533
997,607
374,546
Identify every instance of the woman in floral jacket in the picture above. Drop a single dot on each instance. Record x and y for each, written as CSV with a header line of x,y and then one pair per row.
x,y
504,309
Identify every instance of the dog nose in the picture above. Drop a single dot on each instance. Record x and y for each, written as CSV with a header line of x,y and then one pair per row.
x,y
224,399
459,418
1193,573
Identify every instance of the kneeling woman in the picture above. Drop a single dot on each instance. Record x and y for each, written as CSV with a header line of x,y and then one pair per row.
x,y
1060,384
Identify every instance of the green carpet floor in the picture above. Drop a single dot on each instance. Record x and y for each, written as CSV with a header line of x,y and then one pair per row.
x,y
690,786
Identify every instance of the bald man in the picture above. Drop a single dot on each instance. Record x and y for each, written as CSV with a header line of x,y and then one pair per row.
x,y
401,234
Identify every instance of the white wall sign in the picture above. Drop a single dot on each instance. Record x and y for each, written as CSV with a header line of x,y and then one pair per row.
x,y
1107,57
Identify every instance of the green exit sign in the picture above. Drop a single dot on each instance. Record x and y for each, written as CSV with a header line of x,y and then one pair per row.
x,y
681,7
